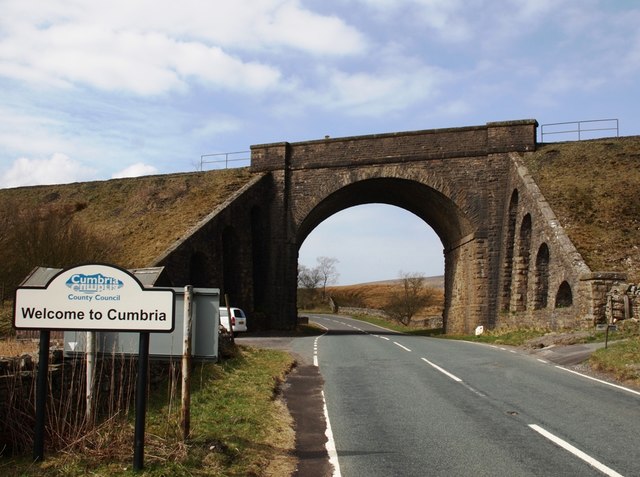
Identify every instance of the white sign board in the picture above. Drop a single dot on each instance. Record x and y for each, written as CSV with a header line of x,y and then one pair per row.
x,y
94,297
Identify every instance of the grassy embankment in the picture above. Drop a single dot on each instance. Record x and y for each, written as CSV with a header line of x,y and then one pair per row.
x,y
592,187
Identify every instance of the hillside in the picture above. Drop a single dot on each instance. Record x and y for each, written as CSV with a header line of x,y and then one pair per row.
x,y
143,216
376,295
593,188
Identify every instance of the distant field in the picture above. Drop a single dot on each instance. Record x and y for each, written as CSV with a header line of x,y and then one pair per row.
x,y
375,295
432,282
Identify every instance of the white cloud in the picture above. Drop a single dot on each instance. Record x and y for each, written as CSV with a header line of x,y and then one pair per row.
x,y
216,126
375,93
58,169
135,170
14,124
150,47
140,63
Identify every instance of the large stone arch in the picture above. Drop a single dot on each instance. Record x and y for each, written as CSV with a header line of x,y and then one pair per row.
x,y
453,179
450,223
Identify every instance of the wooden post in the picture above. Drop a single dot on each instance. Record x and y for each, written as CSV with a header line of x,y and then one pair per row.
x,y
186,363
41,396
226,303
141,401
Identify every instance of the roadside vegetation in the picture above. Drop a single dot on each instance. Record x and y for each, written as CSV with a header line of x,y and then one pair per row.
x,y
621,359
239,427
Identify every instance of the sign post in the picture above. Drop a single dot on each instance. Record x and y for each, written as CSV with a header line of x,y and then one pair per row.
x,y
94,297
141,402
41,396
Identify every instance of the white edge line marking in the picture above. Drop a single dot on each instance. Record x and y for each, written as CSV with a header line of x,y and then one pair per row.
x,y
575,451
443,371
330,444
543,361
599,380
403,347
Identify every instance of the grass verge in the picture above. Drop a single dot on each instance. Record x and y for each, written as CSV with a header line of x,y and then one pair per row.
x,y
239,427
620,359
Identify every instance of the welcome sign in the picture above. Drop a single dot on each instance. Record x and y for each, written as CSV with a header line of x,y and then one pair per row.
x,y
94,297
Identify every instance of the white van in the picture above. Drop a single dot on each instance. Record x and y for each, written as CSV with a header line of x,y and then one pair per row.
x,y
238,320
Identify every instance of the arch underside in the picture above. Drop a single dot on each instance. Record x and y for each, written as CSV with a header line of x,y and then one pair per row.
x,y
437,210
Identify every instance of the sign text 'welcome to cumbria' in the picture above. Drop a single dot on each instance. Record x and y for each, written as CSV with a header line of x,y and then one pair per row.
x,y
94,297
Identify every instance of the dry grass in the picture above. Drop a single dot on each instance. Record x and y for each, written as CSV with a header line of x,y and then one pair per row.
x,y
592,187
10,347
377,295
239,427
143,215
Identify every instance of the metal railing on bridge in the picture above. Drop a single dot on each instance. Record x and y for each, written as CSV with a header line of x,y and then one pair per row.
x,y
226,160
591,128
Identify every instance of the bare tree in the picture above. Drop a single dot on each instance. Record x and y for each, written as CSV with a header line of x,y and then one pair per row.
x,y
33,236
308,278
327,269
411,296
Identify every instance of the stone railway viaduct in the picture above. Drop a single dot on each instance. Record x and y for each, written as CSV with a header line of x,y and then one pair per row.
x,y
507,260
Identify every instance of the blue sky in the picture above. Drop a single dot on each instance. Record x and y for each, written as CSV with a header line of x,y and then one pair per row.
x,y
94,90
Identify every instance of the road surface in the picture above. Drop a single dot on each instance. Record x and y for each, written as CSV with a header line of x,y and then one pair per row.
x,y
402,405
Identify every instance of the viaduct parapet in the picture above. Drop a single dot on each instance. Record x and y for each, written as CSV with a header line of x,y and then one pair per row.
x,y
507,260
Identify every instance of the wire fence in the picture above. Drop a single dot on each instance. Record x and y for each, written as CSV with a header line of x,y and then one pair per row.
x,y
589,129
225,160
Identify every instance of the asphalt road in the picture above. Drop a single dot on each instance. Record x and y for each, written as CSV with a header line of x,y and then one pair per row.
x,y
401,405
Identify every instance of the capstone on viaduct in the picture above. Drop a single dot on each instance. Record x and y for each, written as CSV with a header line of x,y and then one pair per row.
x,y
507,260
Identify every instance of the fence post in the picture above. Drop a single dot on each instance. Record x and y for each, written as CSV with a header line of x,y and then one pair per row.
x,y
185,420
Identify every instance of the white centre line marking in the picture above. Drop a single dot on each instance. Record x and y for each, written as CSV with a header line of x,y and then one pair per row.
x,y
443,371
403,347
575,451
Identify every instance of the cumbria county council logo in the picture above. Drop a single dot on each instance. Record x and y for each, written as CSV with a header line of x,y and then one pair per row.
x,y
95,283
